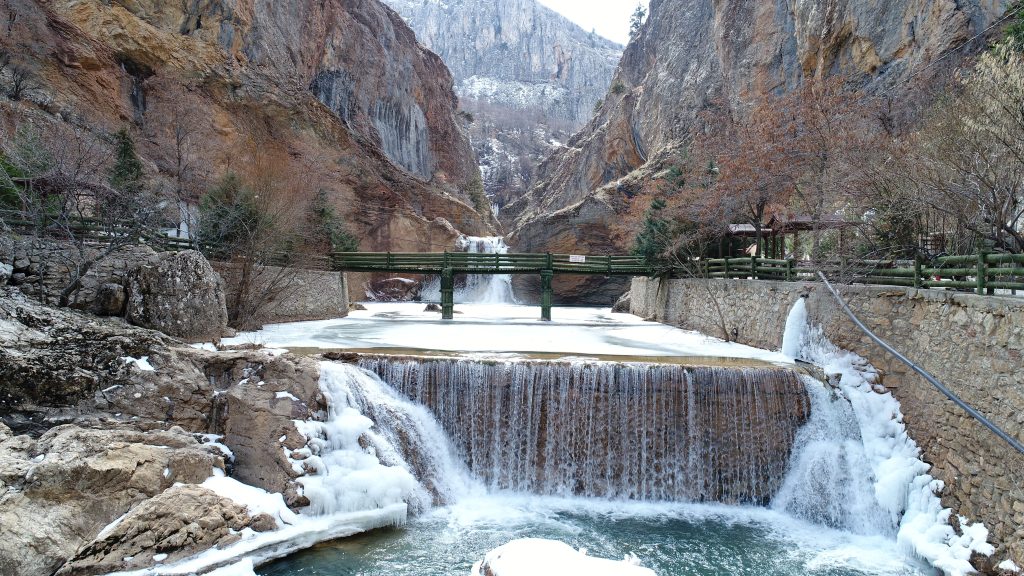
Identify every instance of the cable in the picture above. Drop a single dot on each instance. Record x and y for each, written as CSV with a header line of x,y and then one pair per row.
x,y
927,376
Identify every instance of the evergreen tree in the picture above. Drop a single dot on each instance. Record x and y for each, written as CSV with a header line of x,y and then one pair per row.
x,y
653,239
1014,34
636,21
126,175
328,227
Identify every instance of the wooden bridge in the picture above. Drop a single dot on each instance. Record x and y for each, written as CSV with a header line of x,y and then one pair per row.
x,y
981,273
448,264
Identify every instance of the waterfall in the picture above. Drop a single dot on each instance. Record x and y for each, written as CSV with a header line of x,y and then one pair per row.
x,y
830,480
482,288
796,328
613,430
375,449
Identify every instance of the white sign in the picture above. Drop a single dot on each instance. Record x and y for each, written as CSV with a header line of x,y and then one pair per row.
x,y
577,259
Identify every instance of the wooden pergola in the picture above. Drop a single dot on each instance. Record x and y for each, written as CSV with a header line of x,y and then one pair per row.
x,y
776,231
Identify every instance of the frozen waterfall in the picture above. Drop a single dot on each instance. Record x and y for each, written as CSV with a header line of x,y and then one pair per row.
x,y
477,288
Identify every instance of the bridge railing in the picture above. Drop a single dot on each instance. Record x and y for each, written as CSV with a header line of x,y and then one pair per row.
x,y
983,273
468,262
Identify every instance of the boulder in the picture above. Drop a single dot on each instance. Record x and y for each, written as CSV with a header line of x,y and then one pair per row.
x,y
179,522
61,490
393,290
180,295
622,305
110,300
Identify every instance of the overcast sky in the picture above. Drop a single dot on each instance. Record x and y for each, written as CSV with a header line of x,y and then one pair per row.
x,y
609,17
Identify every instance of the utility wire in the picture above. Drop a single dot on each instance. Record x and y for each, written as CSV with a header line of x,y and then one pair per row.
x,y
924,373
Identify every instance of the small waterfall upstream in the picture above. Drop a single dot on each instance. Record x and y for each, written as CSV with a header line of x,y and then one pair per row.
x,y
482,288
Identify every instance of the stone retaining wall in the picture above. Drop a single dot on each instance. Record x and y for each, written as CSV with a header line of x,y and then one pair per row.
x,y
973,344
31,258
294,294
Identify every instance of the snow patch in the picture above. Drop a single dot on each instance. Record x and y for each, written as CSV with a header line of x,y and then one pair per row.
x,y
1008,566
288,395
140,363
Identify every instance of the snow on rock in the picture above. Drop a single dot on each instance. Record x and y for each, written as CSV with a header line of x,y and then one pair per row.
x,y
256,500
539,557
902,485
140,363
242,568
1008,566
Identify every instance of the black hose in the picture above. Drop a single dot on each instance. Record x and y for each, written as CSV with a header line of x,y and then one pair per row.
x,y
931,379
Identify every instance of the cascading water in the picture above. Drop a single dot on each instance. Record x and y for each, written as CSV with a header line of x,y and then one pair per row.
x,y
478,288
375,449
614,430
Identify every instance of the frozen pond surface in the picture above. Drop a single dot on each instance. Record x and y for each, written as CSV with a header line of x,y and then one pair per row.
x,y
500,328
671,539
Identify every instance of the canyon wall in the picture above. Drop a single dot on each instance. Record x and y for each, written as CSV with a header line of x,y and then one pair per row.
x,y
527,78
973,344
332,96
591,195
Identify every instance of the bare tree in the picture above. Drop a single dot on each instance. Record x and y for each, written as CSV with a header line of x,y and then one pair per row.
x,y
59,177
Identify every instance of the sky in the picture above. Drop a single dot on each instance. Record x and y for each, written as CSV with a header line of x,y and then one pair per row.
x,y
610,18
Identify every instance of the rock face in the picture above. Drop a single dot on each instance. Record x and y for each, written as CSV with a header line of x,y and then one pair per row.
x,y
57,491
113,415
528,77
337,91
180,295
591,194
56,358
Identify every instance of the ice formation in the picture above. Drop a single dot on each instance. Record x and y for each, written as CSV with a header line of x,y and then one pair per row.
x,y
904,492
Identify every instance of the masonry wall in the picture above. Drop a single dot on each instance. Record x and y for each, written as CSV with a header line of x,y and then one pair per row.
x,y
32,259
973,344
293,294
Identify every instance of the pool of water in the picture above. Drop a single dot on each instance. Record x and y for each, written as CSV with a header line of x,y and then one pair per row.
x,y
671,539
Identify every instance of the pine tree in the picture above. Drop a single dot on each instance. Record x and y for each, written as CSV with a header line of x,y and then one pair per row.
x,y
126,175
653,239
636,21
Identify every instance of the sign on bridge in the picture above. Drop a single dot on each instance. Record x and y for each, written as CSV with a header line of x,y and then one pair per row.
x,y
577,259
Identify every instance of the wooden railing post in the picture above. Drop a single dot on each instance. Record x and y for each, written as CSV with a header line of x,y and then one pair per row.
x,y
982,273
447,294
726,261
753,267
918,280
790,263
545,296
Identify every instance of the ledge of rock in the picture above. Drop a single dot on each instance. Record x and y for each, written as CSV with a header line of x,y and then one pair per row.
x,y
179,522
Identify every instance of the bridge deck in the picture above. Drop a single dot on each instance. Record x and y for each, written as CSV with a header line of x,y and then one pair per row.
x,y
471,263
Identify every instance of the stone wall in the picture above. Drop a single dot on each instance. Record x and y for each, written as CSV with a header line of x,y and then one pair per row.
x,y
32,258
973,344
289,294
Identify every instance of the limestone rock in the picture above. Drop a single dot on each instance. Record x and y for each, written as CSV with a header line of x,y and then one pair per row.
x,y
110,300
394,290
57,357
179,522
527,78
61,489
259,422
180,295
622,305
6,270
691,53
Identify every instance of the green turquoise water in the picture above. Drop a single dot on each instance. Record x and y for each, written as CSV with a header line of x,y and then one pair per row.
x,y
671,539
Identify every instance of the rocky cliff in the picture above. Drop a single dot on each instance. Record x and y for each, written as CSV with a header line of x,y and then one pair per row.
x,y
591,194
527,77
338,93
